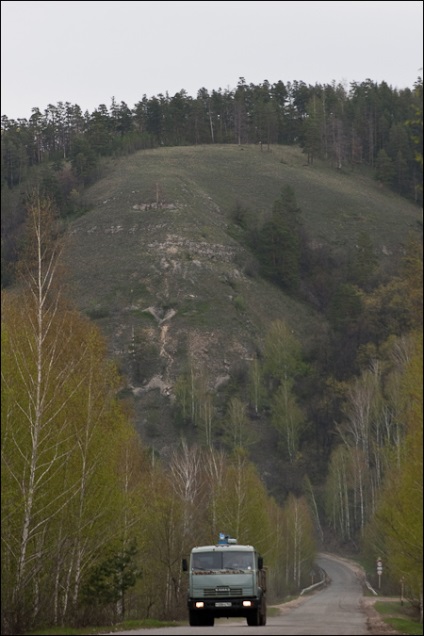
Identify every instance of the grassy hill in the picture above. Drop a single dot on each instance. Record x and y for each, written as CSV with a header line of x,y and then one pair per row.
x,y
156,261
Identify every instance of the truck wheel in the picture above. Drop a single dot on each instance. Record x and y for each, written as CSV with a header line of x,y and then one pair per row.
x,y
209,620
262,614
193,619
253,618
201,619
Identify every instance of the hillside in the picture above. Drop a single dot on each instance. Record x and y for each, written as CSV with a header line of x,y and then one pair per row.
x,y
157,264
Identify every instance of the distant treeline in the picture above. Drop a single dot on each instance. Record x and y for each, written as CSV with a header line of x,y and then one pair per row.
x,y
372,124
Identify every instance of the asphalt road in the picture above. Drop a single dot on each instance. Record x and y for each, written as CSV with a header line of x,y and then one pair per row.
x,y
335,609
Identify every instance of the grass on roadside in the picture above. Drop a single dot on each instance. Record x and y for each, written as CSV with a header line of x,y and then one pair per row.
x,y
400,617
148,623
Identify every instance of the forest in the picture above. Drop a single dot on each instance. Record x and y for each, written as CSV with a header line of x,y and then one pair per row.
x,y
94,524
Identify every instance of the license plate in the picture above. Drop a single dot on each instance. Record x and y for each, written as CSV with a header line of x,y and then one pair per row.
x,y
223,604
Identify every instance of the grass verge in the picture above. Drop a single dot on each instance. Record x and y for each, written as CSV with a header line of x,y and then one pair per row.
x,y
147,623
402,618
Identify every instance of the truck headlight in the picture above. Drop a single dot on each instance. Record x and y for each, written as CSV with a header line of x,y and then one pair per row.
x,y
200,604
247,603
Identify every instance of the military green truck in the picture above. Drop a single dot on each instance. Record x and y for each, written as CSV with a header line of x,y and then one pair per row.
x,y
225,580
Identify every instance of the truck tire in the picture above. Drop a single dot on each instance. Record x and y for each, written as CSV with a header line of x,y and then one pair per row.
x,y
262,613
201,619
209,620
253,618
193,618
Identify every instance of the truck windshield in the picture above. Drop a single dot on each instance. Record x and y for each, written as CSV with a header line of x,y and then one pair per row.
x,y
228,560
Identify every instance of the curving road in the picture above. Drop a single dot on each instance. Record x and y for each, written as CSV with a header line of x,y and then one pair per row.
x,y
333,610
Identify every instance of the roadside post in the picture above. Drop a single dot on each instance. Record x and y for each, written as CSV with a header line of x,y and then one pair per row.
x,y
379,571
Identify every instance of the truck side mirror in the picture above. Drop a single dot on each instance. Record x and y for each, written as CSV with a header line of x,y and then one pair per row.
x,y
260,563
185,565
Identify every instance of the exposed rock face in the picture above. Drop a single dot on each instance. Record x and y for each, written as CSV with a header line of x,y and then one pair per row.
x,y
154,206
175,244
159,314
155,382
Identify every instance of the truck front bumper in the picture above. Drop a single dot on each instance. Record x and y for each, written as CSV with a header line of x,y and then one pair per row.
x,y
223,607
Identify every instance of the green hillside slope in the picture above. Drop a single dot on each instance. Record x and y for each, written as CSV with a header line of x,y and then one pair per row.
x,y
156,263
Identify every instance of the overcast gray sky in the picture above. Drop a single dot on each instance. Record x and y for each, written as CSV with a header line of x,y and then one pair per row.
x,y
88,52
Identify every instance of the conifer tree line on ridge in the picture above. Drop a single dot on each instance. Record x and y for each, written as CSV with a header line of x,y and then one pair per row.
x,y
370,123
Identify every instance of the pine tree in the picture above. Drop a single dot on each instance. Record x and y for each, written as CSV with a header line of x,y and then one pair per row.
x,y
279,242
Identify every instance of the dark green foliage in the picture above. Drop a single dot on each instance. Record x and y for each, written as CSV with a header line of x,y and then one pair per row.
x,y
322,270
108,581
384,168
83,159
143,358
50,187
13,215
241,216
364,262
122,118
279,242
345,307
100,132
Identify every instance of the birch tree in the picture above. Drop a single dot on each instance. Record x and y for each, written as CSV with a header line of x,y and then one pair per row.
x,y
242,505
282,353
362,418
288,419
397,528
338,489
215,465
238,432
187,482
36,444
61,434
100,433
256,390
300,544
